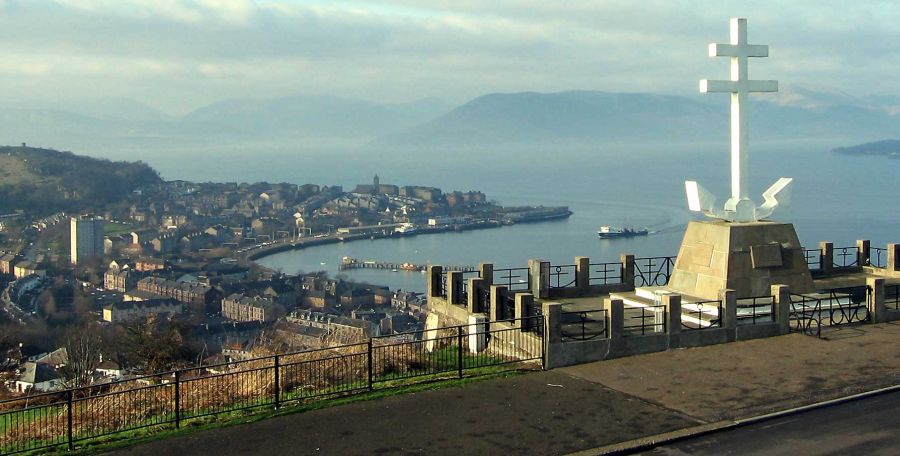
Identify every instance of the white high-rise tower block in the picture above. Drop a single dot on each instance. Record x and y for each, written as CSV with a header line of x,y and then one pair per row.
x,y
738,208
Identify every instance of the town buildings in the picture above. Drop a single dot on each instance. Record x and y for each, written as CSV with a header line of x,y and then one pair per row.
x,y
86,237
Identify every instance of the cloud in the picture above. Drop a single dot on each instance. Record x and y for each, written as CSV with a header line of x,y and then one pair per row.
x,y
184,53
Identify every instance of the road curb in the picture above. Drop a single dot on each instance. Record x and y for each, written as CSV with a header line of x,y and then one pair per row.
x,y
653,441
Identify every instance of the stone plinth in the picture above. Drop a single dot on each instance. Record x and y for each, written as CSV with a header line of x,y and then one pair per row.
x,y
745,257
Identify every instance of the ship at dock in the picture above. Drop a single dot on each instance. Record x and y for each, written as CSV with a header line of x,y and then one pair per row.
x,y
611,232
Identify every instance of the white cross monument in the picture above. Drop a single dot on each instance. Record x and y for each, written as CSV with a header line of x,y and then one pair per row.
x,y
738,208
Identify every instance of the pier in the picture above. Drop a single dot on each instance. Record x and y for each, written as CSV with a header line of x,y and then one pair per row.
x,y
355,263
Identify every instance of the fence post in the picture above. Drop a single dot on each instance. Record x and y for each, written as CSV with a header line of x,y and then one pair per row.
x,y
875,301
539,274
434,281
277,383
582,275
474,304
69,404
863,247
552,322
728,298
498,298
672,305
615,311
459,349
454,287
524,303
486,272
369,363
627,261
177,399
826,257
782,310
893,255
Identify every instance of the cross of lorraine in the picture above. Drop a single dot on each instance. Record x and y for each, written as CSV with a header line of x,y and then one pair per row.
x,y
739,207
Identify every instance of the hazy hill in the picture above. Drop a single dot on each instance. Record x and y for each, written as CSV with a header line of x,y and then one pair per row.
x,y
586,117
44,180
309,116
888,148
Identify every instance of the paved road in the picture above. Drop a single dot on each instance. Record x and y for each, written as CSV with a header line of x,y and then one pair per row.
x,y
868,426
542,413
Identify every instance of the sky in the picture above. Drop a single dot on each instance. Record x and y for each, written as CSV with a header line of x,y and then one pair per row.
x,y
178,55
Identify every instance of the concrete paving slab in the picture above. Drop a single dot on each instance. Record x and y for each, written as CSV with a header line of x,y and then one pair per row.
x,y
747,378
540,413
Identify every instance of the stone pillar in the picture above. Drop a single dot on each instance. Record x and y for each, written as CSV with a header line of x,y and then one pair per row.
x,y
497,301
524,304
672,303
729,313
552,322
539,271
862,252
434,281
893,257
432,323
875,301
477,333
782,311
615,314
826,259
474,303
454,287
582,275
486,272
627,261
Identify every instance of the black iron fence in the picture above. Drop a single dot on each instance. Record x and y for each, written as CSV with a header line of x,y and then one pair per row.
x,y
701,315
758,309
563,276
584,324
514,279
838,307
653,271
892,297
845,257
645,320
877,257
813,258
604,273
65,418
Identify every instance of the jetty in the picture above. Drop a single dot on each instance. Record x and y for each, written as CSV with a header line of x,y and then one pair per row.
x,y
355,263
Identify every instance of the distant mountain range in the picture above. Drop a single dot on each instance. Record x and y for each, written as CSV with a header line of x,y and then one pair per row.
x,y
887,148
516,119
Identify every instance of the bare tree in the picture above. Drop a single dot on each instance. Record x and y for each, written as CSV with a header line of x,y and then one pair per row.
x,y
83,349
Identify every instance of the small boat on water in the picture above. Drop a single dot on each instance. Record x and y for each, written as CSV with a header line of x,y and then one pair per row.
x,y
610,232
405,229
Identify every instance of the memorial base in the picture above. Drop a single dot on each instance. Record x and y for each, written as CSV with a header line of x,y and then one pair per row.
x,y
746,257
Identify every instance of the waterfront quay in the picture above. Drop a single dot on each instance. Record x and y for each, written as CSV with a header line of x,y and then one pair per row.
x,y
355,263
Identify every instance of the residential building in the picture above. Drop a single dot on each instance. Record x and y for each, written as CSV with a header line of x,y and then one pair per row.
x,y
38,377
122,312
239,307
86,237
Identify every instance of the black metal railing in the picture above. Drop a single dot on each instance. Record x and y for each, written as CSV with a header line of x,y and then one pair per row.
x,y
813,258
701,315
563,276
604,273
584,324
644,320
838,307
877,257
845,257
892,297
751,311
653,271
65,418
514,279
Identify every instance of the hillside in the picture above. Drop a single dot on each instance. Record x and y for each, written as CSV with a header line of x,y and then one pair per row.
x,y
591,117
887,148
44,180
